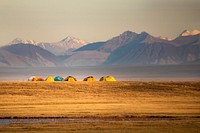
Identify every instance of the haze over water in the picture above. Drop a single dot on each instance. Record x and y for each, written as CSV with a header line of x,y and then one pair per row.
x,y
121,73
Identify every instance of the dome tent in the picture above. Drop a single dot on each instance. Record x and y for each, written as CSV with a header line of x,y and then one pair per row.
x,y
31,78
49,79
90,78
70,79
107,78
35,78
58,78
38,79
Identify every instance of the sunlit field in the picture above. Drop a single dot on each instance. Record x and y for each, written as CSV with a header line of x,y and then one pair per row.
x,y
102,106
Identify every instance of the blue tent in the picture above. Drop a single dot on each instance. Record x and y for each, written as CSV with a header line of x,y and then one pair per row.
x,y
58,78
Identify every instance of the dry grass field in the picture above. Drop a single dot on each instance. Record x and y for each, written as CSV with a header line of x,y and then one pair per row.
x,y
102,106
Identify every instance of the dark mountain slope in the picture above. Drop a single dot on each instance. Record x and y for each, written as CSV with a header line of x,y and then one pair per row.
x,y
28,55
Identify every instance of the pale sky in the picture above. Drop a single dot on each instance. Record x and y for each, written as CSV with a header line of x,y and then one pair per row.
x,y
94,20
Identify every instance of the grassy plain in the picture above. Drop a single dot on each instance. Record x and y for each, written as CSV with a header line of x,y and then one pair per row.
x,y
110,106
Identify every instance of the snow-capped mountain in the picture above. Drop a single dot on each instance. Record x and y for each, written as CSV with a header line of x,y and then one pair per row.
x,y
190,33
72,42
188,37
165,38
68,44
22,41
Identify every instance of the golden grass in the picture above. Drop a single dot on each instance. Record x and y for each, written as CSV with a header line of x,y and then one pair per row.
x,y
98,99
101,100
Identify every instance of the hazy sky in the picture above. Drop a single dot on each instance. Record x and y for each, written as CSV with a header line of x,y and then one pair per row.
x,y
95,20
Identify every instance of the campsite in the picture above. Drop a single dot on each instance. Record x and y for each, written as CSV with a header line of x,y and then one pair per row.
x,y
100,106
71,79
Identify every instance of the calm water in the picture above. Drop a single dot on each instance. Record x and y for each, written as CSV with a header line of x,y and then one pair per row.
x,y
122,73
47,120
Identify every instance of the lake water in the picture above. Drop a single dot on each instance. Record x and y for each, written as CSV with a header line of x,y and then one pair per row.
x,y
47,120
121,73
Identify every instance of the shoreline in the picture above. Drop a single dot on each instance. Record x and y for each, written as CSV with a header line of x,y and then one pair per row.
x,y
94,119
109,117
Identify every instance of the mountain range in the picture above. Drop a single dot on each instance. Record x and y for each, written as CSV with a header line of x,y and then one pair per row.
x,y
67,44
129,48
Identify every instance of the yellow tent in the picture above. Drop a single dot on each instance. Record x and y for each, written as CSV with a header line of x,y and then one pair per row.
x,y
107,78
70,79
49,79
90,78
